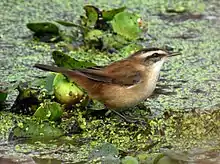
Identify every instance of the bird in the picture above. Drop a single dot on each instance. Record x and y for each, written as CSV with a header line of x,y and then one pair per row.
x,y
123,83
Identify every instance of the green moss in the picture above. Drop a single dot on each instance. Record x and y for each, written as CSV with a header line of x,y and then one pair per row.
x,y
6,124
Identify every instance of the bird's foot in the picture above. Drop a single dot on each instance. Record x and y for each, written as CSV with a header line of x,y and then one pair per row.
x,y
130,120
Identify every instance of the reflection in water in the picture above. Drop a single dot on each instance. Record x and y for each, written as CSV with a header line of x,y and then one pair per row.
x,y
195,156
29,160
6,161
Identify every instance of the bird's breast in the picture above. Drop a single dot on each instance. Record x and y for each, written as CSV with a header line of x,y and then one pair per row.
x,y
118,96
121,96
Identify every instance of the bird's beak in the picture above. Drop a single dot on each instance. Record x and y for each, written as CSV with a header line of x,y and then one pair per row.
x,y
174,54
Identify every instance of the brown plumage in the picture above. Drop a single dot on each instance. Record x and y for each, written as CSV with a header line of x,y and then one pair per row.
x,y
121,84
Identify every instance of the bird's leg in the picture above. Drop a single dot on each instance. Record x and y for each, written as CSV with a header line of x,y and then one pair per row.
x,y
119,114
130,120
124,117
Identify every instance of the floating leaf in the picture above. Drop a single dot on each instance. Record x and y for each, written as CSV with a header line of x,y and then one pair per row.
x,y
114,41
30,95
49,82
70,24
43,27
31,128
129,160
92,14
63,60
49,110
3,96
131,48
105,149
94,35
27,100
110,159
45,83
45,31
106,153
67,92
109,14
126,24
48,38
94,38
83,20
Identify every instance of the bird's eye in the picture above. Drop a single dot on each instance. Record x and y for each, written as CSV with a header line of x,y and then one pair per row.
x,y
155,55
153,58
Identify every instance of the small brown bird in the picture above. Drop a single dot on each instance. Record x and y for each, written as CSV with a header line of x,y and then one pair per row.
x,y
123,83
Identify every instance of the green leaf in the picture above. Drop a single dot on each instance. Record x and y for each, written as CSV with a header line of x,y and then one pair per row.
x,y
109,14
63,60
110,159
94,38
30,128
131,48
105,153
45,82
94,35
49,82
43,27
49,110
126,24
45,31
67,24
3,96
104,150
31,94
27,99
70,24
92,14
66,92
114,41
129,160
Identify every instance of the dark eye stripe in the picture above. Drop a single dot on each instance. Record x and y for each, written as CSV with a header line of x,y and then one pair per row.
x,y
155,55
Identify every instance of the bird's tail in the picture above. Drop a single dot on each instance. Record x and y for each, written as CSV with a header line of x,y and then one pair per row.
x,y
52,68
74,75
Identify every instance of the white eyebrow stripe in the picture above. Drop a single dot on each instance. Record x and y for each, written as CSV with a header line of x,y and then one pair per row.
x,y
146,54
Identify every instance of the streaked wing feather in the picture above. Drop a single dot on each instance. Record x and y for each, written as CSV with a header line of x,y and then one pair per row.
x,y
96,75
114,74
128,80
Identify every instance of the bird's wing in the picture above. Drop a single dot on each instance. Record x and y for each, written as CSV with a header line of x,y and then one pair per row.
x,y
117,73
